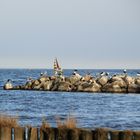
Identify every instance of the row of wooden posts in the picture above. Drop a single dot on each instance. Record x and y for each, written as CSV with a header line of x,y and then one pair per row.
x,y
31,133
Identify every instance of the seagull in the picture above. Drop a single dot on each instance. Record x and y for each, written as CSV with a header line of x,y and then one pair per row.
x,y
75,72
125,71
41,74
138,73
104,74
9,80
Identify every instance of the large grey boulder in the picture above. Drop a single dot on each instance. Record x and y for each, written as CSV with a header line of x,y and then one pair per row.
x,y
118,86
89,87
28,85
73,79
35,83
47,85
8,86
43,79
64,86
39,87
137,81
134,88
102,80
129,80
87,78
116,78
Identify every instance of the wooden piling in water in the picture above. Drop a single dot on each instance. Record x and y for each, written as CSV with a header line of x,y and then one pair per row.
x,y
85,135
126,135
73,134
19,133
5,133
136,135
62,134
33,134
100,134
114,135
47,134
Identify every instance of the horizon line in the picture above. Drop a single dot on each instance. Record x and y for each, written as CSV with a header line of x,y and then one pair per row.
x,y
71,68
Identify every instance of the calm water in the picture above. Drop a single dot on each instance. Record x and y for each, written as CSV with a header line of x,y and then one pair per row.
x,y
117,111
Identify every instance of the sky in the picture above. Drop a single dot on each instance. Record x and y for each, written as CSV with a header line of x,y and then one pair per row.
x,y
92,34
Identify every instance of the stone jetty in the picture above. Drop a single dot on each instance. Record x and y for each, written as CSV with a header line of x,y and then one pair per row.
x,y
119,83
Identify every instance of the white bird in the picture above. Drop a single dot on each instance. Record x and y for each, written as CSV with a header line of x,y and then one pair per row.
x,y
75,73
104,74
125,71
138,73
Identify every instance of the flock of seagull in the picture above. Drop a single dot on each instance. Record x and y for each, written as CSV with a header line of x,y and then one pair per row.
x,y
124,72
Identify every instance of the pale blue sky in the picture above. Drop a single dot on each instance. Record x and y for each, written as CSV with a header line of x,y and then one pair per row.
x,y
80,33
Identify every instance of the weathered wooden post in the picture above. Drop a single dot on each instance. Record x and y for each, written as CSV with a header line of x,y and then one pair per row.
x,y
73,134
114,135
126,135
47,133
32,134
62,133
136,135
85,135
100,134
19,133
5,133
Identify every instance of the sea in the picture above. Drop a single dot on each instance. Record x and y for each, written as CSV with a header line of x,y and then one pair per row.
x,y
91,110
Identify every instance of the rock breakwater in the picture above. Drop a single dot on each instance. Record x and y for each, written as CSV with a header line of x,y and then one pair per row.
x,y
119,83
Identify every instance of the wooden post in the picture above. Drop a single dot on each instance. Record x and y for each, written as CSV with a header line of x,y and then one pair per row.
x,y
33,134
136,135
85,135
62,133
126,135
19,133
41,134
114,135
5,133
100,134
73,134
47,134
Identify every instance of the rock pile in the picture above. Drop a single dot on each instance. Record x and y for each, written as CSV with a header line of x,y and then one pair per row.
x,y
114,84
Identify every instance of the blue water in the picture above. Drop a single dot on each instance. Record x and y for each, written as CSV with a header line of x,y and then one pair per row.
x,y
91,110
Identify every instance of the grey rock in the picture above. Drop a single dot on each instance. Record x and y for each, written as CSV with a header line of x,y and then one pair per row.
x,y
134,88
102,80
